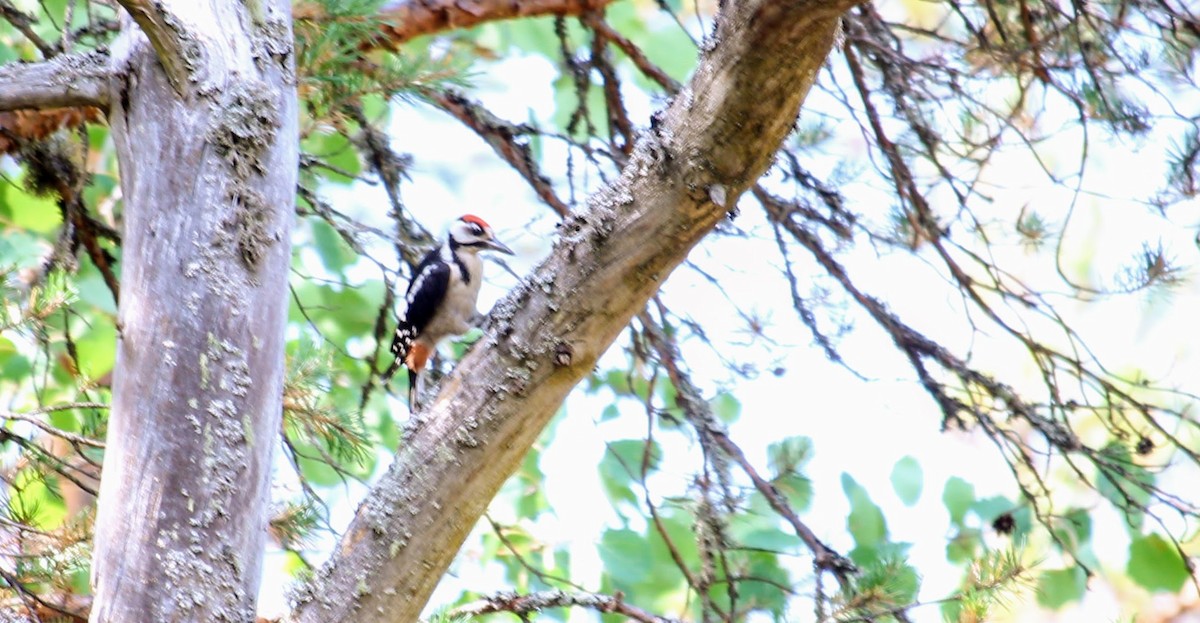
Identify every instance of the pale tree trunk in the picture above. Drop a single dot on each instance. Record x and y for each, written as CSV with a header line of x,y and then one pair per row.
x,y
713,141
208,161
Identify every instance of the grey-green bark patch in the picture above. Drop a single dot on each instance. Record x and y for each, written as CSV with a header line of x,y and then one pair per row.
x,y
243,130
273,41
244,127
190,51
251,220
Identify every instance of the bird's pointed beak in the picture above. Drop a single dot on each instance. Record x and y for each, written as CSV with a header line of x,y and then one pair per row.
x,y
496,245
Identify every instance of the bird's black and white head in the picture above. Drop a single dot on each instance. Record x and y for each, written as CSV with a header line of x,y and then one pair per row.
x,y
472,234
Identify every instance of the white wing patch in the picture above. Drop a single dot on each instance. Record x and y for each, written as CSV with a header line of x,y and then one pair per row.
x,y
418,282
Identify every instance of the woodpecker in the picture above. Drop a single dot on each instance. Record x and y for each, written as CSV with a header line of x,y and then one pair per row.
x,y
441,296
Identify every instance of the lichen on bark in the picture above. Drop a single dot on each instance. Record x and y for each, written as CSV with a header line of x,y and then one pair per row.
x,y
242,131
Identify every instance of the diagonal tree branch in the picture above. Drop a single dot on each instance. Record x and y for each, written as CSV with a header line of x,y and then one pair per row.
x,y
404,20
65,80
502,137
712,433
702,152
412,18
165,32
24,24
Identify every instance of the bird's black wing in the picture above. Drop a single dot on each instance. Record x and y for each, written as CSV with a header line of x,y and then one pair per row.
x,y
425,292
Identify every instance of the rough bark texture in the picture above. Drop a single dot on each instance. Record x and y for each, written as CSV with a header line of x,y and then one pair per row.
x,y
209,184
713,141
66,80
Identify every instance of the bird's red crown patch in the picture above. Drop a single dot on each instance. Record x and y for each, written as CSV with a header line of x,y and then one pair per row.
x,y
471,218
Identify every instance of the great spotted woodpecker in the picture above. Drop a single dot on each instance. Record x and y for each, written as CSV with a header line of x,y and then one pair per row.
x,y
441,296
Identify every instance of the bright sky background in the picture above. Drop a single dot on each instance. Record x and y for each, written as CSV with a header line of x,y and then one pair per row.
x,y
859,427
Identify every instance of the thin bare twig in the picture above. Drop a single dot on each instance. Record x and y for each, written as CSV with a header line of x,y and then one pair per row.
x,y
28,417
532,603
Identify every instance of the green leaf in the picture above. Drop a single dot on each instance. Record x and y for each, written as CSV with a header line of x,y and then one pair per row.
x,y
908,480
31,491
388,432
1060,587
66,419
963,547
763,593
377,107
93,291
1074,529
1155,564
640,564
865,522
339,312
886,579
761,531
531,501
335,150
26,211
670,399
618,382
641,387
796,488
19,248
666,45
958,495
533,35
789,455
625,555
14,366
621,466
97,350
99,189
726,407
316,471
989,508
463,343
333,251
1124,483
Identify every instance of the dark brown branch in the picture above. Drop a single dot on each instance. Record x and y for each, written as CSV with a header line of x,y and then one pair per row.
x,y
618,116
39,608
24,24
412,18
74,438
547,578
38,454
700,415
634,53
412,241
501,136
405,20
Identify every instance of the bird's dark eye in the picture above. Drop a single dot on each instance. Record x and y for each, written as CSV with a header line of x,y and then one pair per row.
x,y
477,230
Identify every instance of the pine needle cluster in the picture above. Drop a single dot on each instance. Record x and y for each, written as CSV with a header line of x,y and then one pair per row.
x,y
309,417
343,53
43,299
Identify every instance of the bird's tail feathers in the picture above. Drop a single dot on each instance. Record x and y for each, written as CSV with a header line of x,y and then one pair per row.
x,y
413,393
